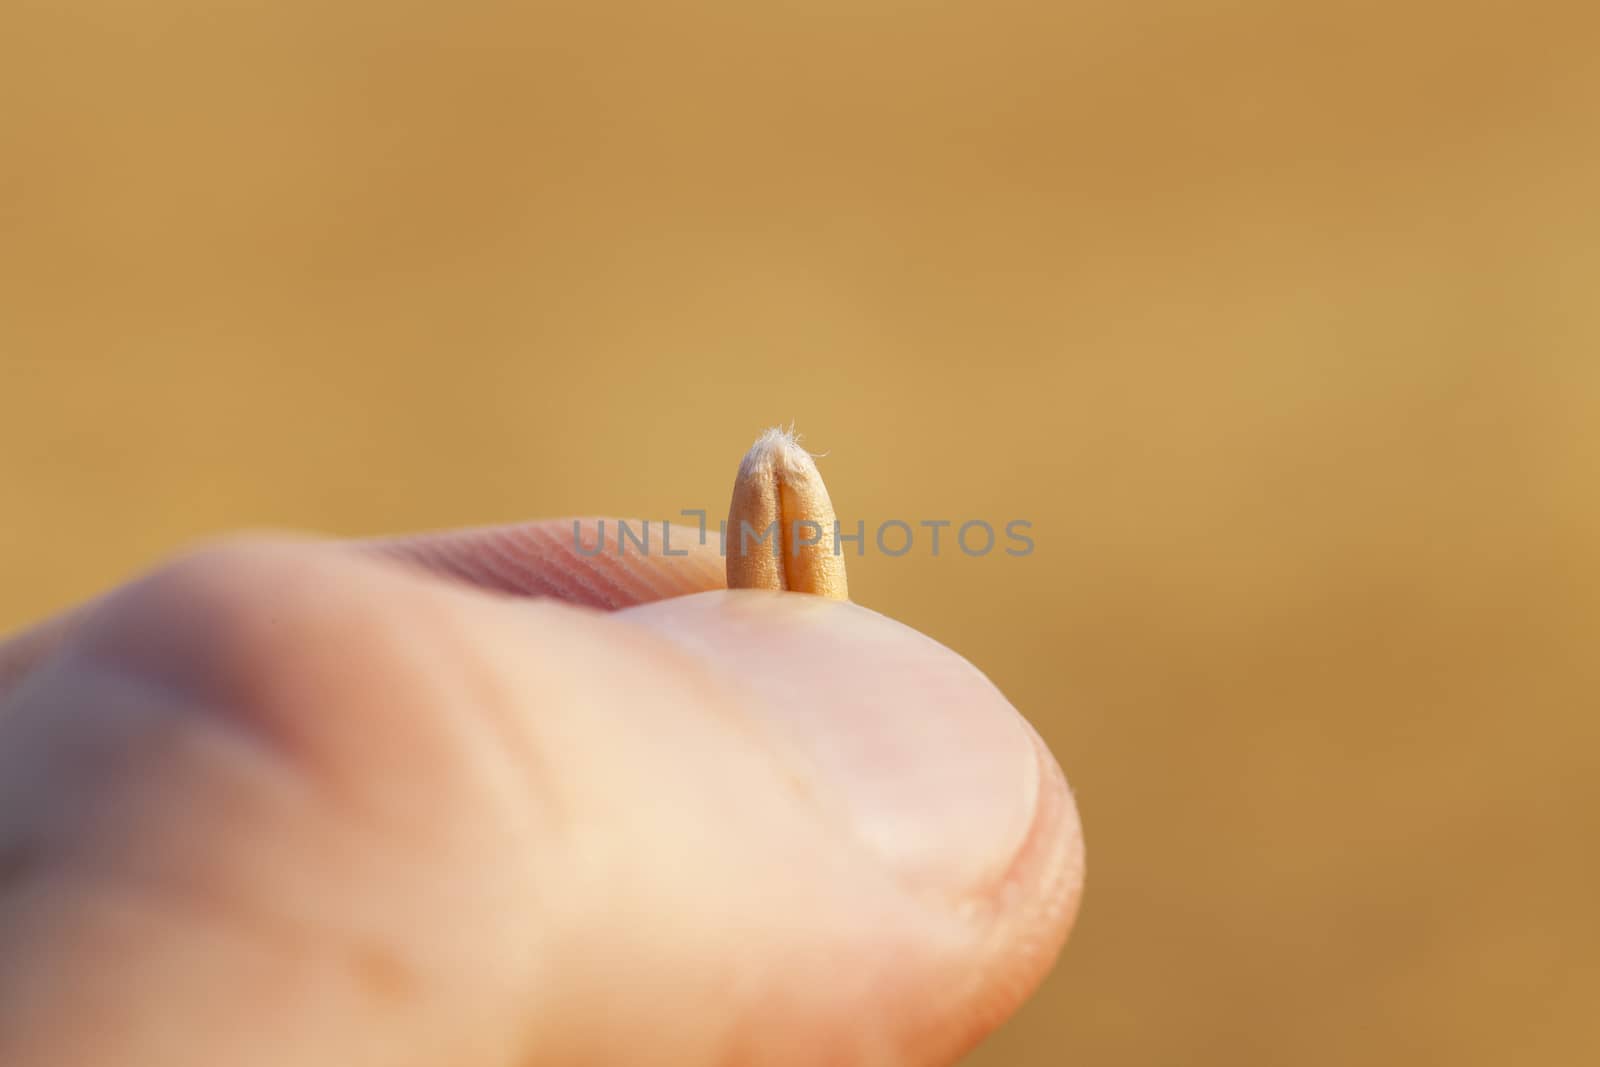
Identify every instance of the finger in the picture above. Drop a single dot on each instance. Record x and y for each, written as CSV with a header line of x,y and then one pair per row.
x,y
949,788
590,562
20,653
284,804
598,563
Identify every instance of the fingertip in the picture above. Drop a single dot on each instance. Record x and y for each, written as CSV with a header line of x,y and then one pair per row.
x,y
937,774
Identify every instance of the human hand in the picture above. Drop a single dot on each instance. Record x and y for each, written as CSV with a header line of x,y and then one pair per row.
x,y
288,802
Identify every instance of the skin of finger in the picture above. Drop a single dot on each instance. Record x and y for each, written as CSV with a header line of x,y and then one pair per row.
x,y
24,650
1018,885
582,561
365,817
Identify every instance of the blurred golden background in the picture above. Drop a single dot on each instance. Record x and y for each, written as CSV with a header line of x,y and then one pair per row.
x,y
1278,321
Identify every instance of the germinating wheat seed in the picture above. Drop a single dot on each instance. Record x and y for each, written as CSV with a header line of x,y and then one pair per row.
x,y
781,522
